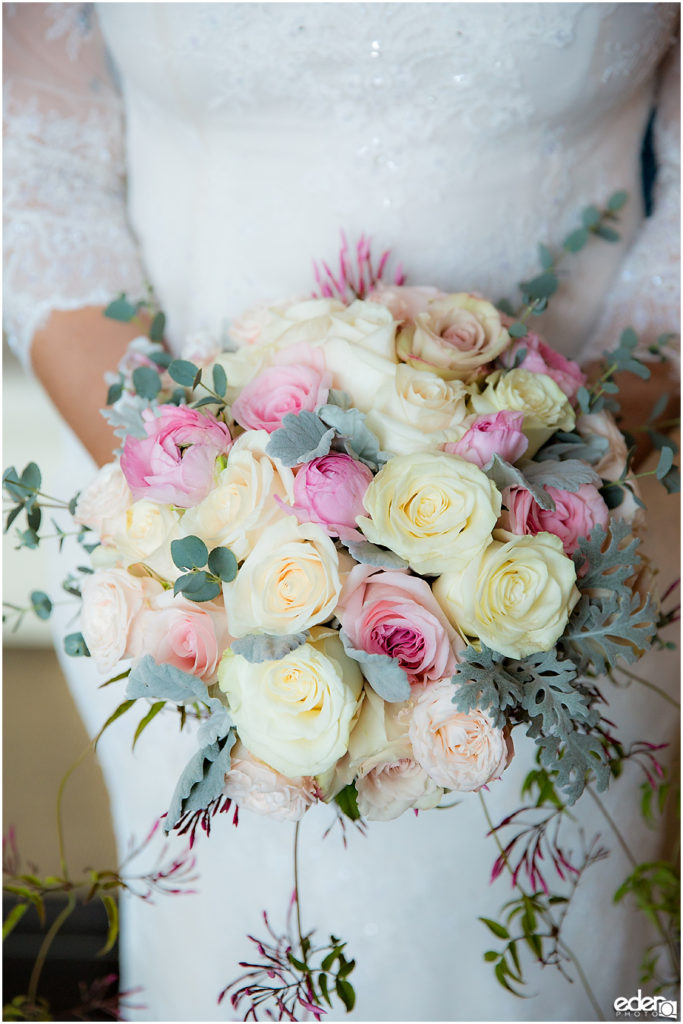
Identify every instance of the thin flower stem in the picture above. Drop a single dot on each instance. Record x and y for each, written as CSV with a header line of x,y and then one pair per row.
x,y
41,494
60,795
296,891
45,948
568,952
651,686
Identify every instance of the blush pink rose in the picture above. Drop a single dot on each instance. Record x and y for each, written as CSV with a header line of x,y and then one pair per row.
x,y
541,358
404,302
499,433
112,601
255,786
391,612
175,463
329,491
299,381
178,632
574,516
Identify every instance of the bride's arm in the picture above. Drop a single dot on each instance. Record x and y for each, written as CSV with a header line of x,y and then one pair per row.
x,y
68,247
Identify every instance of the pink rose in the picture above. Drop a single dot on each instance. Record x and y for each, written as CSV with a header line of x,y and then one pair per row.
x,y
255,786
175,463
459,751
298,381
498,433
389,789
541,358
394,613
574,516
178,632
329,491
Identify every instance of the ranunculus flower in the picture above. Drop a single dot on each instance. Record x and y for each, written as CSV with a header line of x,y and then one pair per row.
x,y
255,786
289,582
574,516
459,751
329,491
541,358
145,533
112,599
175,463
299,381
404,302
455,337
435,510
388,790
545,406
245,498
187,634
516,597
296,713
498,433
391,612
417,411
103,503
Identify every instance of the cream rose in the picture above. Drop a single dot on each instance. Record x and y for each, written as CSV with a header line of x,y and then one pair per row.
x,y
516,597
146,534
296,713
455,337
418,411
462,752
436,511
602,424
244,502
112,599
545,406
359,351
255,786
289,581
390,789
103,503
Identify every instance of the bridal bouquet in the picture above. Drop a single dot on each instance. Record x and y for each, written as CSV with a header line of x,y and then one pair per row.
x,y
385,529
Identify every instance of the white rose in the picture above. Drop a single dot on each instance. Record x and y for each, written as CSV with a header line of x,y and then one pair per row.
x,y
289,581
360,351
462,752
112,599
145,536
390,789
296,713
602,424
243,503
418,411
103,503
255,786
545,406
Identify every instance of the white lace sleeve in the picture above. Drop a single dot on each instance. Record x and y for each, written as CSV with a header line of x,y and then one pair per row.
x,y
67,242
646,293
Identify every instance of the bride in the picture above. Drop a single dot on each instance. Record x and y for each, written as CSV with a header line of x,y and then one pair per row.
x,y
214,150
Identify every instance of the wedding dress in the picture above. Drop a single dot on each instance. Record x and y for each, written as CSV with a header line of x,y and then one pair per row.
x,y
458,135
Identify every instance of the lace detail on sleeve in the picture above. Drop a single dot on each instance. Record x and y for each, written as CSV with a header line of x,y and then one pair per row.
x,y
646,293
67,242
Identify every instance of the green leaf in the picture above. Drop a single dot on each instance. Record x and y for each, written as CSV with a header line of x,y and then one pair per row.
x,y
12,515
220,381
672,480
151,714
162,359
384,674
617,200
517,330
666,461
493,926
545,258
147,382
121,309
42,605
185,373
189,552
258,647
113,918
11,483
157,327
590,217
114,393
541,287
75,646
120,710
346,993
302,437
575,240
13,918
491,955
607,234
347,800
31,477
222,563
322,981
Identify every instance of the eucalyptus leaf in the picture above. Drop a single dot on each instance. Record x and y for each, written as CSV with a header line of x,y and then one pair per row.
x,y
157,327
189,552
371,554
202,780
41,603
146,381
258,647
222,563
666,461
607,234
75,646
545,257
575,240
617,200
121,309
518,330
672,480
384,674
302,437
183,372
220,380
31,477
541,287
114,393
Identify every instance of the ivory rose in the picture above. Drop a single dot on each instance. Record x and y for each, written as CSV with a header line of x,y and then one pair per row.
x,y
455,337
459,751
516,597
329,491
288,582
359,351
499,433
245,498
435,510
112,599
297,381
175,463
103,503
189,635
541,358
391,612
575,515
389,789
255,786
415,411
145,535
545,406
296,713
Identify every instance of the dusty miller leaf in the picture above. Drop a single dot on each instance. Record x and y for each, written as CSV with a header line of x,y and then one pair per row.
x,y
548,693
385,675
125,415
202,780
371,554
166,682
568,475
565,445
505,475
575,760
302,437
359,440
257,647
487,680
608,569
604,629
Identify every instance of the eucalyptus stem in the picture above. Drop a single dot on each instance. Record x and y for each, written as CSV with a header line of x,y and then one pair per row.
x,y
651,686
567,950
45,947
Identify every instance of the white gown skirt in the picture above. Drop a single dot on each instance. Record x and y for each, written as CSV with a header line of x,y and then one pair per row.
x,y
406,897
